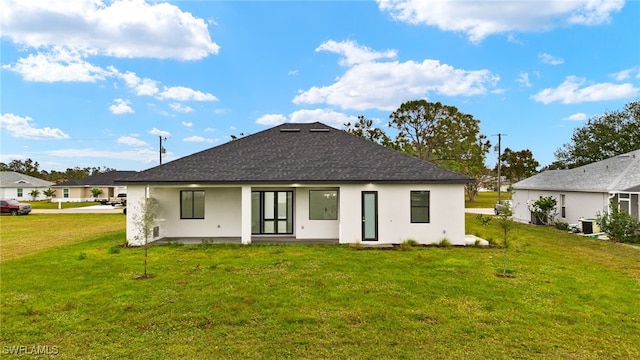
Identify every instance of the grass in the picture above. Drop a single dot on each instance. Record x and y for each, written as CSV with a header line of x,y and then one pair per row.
x,y
486,199
34,233
46,204
570,297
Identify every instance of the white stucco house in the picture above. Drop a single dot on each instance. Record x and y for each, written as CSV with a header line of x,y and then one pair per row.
x,y
300,182
76,190
585,191
18,186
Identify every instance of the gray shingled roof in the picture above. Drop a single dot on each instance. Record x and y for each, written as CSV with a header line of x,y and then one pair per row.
x,y
298,153
12,179
103,179
618,173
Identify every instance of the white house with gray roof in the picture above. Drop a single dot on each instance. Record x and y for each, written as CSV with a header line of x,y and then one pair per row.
x,y
15,185
585,191
300,183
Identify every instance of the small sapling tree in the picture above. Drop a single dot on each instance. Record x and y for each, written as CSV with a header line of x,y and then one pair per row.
x,y
144,221
506,224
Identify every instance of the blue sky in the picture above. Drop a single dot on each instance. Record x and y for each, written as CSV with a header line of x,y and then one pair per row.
x,y
95,83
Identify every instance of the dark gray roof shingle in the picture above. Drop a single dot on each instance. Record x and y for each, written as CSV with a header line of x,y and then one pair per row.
x,y
103,179
298,153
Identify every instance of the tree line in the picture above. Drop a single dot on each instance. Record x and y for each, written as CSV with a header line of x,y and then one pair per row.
x,y
32,168
443,135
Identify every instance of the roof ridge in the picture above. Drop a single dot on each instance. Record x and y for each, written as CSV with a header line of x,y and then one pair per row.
x,y
626,170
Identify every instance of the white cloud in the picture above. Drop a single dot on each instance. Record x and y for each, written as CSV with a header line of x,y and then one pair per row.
x,y
523,79
577,117
570,92
125,29
144,155
326,116
179,108
187,124
209,130
121,107
550,59
182,93
626,74
131,141
194,138
162,133
353,53
271,119
385,85
58,65
20,127
293,72
140,86
479,19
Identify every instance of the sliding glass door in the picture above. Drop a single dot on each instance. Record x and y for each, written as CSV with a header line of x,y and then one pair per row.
x,y
272,212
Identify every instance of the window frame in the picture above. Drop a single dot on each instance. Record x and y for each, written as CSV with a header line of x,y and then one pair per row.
x,y
193,204
65,193
337,195
412,206
20,192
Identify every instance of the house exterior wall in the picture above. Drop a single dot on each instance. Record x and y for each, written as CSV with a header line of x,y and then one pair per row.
x,y
83,193
12,193
223,213
577,204
394,212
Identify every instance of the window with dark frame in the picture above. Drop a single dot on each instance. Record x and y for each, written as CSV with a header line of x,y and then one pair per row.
x,y
563,211
420,207
192,204
323,205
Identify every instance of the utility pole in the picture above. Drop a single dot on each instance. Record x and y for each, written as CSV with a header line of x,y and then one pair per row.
x,y
499,135
161,149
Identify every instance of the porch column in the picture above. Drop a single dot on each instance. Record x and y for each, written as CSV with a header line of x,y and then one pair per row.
x,y
245,210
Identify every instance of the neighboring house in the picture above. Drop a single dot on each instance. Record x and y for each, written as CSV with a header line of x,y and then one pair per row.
x,y
300,182
80,189
14,185
585,191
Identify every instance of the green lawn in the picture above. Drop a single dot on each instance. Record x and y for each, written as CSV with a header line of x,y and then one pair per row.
x,y
486,199
46,204
571,298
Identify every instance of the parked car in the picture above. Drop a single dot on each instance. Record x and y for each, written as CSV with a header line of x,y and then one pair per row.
x,y
13,207
503,205
121,199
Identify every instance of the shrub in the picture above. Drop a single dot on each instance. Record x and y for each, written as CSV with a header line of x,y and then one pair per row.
x,y
561,225
619,225
407,244
444,242
544,209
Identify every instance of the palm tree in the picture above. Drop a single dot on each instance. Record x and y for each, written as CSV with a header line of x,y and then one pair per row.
x,y
34,194
95,192
49,193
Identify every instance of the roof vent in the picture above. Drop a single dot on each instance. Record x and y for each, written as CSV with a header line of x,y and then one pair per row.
x,y
289,130
319,130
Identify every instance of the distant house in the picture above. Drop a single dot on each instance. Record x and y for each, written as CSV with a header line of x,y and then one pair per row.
x,y
585,191
80,189
14,185
301,182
